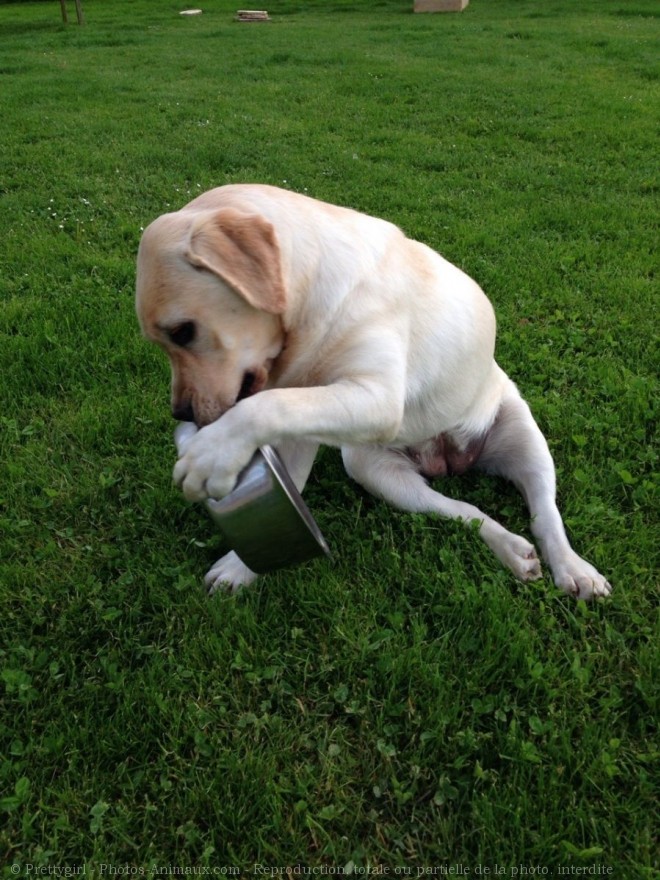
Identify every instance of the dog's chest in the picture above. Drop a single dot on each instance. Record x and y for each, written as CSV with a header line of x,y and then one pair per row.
x,y
303,362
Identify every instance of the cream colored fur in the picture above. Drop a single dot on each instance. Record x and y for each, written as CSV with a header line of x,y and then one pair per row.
x,y
340,331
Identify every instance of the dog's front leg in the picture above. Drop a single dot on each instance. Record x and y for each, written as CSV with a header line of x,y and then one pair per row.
x,y
349,411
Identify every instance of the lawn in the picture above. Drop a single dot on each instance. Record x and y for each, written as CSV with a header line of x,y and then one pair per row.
x,y
407,708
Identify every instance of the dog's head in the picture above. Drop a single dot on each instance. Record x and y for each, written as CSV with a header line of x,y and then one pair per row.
x,y
210,292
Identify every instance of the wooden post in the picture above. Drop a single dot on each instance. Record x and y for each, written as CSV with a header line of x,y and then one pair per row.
x,y
79,12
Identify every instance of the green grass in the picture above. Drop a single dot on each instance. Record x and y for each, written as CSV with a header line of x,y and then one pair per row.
x,y
408,705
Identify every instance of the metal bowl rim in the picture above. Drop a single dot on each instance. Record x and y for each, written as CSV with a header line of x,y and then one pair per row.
x,y
284,479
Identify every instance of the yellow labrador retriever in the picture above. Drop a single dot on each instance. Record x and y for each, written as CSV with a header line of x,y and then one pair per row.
x,y
294,322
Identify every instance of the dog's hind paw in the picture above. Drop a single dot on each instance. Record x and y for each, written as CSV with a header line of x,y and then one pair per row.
x,y
523,561
580,579
229,574
516,553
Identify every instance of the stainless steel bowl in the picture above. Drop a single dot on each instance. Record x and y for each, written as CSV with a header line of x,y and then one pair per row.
x,y
264,519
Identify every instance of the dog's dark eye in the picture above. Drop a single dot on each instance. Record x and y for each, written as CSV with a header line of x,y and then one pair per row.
x,y
183,334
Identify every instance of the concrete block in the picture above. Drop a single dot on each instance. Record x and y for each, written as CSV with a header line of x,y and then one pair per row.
x,y
440,5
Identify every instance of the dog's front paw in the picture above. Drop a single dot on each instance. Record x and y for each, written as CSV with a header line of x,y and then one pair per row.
x,y
229,574
580,579
210,464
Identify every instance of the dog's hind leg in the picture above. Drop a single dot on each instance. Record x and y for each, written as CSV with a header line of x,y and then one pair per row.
x,y
516,449
393,476
230,573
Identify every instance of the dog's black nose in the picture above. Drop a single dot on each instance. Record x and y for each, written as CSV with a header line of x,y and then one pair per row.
x,y
183,412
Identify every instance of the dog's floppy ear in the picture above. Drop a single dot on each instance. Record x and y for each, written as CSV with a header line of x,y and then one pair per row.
x,y
242,250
